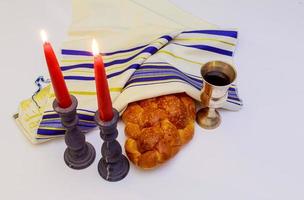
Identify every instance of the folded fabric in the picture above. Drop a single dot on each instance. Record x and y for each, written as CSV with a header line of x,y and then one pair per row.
x,y
139,64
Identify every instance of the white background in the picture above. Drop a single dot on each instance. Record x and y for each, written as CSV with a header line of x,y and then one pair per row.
x,y
256,154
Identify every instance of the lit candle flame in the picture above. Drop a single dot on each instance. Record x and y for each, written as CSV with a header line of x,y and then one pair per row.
x,y
43,36
95,48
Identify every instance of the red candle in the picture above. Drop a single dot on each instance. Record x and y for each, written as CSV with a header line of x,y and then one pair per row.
x,y
60,89
102,88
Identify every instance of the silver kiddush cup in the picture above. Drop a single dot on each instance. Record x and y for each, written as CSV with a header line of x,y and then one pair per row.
x,y
217,78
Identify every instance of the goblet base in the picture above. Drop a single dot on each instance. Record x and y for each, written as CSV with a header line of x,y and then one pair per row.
x,y
208,118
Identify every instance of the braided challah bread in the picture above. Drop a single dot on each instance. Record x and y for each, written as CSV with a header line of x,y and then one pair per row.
x,y
157,128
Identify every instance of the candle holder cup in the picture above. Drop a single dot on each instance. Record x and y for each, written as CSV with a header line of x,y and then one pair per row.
x,y
113,166
79,154
217,78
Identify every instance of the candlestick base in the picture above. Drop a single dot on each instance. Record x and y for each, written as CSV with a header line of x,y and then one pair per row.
x,y
114,171
81,161
113,166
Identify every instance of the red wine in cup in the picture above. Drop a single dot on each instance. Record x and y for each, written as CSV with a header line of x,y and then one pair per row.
x,y
217,78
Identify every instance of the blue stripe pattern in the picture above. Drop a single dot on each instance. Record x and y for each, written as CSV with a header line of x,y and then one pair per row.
x,y
83,65
51,119
142,76
233,34
88,53
49,132
143,84
157,73
151,50
81,116
208,48
147,73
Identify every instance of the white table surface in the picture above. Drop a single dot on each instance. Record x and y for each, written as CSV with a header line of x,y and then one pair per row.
x,y
256,154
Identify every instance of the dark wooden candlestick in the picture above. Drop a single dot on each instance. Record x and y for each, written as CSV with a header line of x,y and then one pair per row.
x,y
113,166
79,154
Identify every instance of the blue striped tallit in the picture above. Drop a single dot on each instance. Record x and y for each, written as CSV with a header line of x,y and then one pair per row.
x,y
169,64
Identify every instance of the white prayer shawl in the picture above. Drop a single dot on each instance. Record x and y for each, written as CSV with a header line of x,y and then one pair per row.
x,y
150,48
